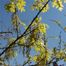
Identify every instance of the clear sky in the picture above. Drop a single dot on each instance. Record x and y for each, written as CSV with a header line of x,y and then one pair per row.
x,y
53,13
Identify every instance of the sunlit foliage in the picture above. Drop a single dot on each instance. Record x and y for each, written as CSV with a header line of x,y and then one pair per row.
x,y
13,5
35,36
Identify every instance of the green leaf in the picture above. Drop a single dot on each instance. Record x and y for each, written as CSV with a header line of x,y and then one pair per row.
x,y
12,0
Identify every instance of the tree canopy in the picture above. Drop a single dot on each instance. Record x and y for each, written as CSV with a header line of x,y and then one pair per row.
x,y
31,41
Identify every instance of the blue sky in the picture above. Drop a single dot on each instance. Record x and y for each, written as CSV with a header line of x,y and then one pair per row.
x,y
53,13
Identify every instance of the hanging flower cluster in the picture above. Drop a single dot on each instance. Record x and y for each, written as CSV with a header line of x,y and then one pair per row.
x,y
12,5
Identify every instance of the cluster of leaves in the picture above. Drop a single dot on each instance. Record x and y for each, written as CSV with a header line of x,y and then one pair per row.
x,y
36,32
59,54
13,5
38,4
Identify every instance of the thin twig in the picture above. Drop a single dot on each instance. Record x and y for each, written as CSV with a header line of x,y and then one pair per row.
x,y
5,32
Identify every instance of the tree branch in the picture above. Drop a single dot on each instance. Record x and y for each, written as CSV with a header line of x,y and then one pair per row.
x,y
5,32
